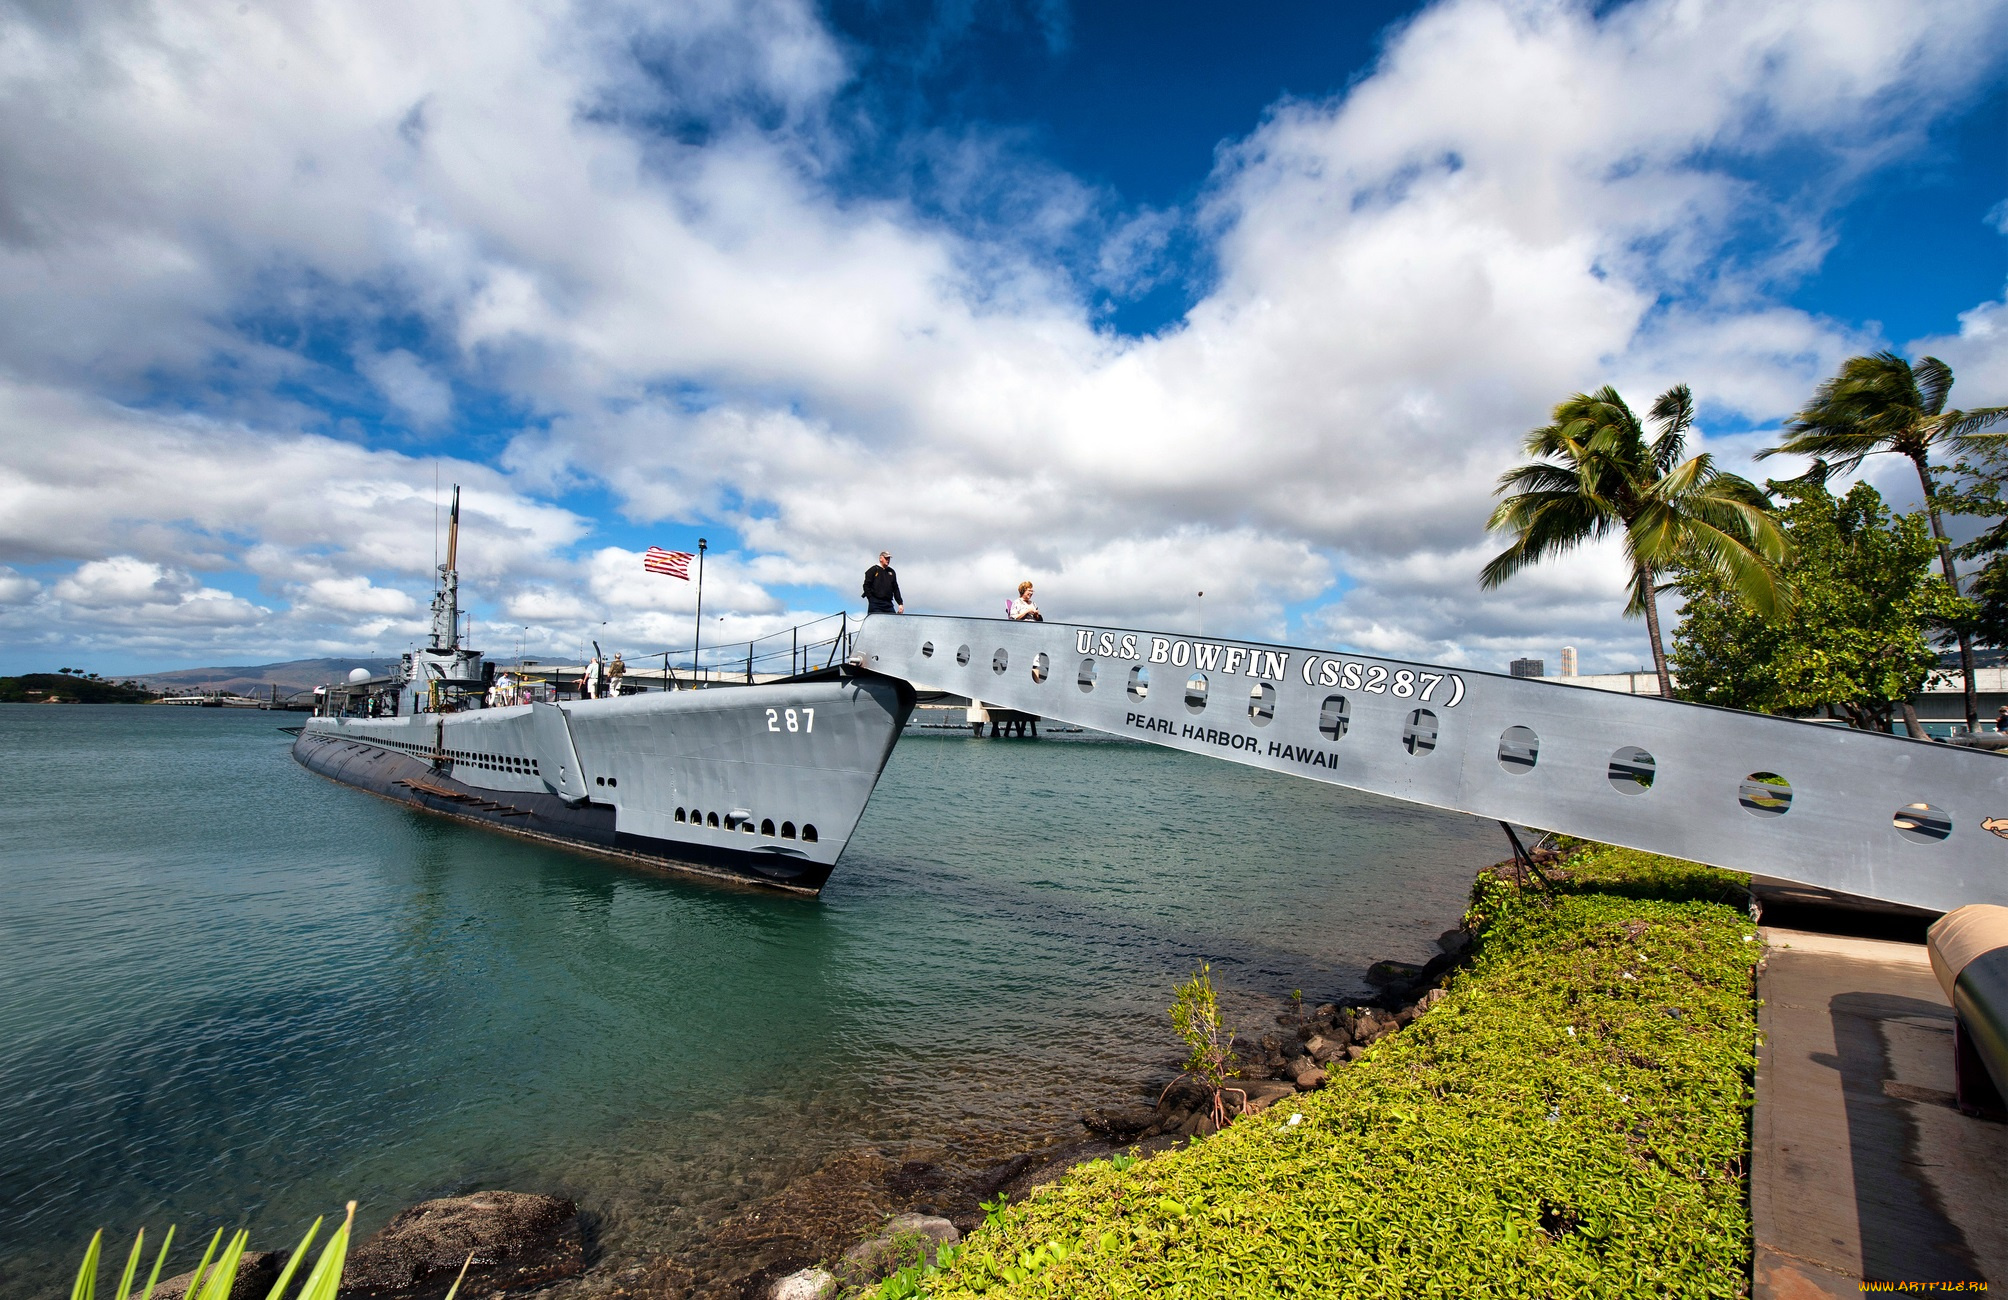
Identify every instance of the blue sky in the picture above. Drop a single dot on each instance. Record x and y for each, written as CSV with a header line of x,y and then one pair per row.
x,y
1916,248
1133,303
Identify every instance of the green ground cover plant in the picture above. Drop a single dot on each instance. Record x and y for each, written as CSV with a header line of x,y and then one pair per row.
x,y
1571,1120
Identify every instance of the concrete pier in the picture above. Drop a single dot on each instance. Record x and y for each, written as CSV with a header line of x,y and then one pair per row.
x,y
1864,1171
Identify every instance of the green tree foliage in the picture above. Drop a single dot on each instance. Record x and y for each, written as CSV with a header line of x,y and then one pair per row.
x,y
1595,474
1880,404
1859,638
39,688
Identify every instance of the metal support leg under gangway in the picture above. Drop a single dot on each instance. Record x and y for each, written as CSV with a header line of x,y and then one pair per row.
x,y
1880,817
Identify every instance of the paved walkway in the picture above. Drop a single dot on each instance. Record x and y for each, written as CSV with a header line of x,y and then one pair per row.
x,y
1863,1168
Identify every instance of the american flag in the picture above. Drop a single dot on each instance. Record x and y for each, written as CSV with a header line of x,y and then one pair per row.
x,y
675,563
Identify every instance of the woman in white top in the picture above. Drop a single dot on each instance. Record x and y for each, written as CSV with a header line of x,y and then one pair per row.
x,y
1022,609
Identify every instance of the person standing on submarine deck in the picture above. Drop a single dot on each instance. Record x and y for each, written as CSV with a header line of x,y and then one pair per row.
x,y
882,588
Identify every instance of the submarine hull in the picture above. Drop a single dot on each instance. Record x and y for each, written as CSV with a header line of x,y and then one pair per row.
x,y
759,784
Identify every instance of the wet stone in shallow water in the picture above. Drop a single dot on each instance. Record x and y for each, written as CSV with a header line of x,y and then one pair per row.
x,y
809,1284
908,1239
518,1239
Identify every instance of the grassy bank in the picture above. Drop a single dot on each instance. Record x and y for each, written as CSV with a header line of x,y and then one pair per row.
x,y
1570,1121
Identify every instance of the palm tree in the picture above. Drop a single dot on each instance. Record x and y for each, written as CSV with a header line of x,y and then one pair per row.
x,y
1596,474
1882,404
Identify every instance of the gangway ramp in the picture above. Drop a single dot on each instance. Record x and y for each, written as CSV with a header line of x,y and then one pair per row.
x,y
1880,817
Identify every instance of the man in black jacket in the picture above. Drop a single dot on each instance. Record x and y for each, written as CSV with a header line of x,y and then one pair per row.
x,y
882,588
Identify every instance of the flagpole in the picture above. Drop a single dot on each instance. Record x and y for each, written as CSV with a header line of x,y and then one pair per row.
x,y
697,636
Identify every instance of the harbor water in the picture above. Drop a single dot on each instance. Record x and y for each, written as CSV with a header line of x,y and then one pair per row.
x,y
232,993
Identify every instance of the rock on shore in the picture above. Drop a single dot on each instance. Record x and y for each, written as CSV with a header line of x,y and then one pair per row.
x,y
809,1284
908,1239
256,1272
518,1239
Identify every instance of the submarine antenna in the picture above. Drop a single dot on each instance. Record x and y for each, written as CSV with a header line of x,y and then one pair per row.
x,y
453,571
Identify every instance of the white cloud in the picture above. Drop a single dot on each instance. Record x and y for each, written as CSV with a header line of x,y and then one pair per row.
x,y
80,477
408,385
127,590
1523,198
1978,355
141,500
356,595
15,588
544,606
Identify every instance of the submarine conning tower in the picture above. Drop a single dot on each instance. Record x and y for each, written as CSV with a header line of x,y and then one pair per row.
x,y
444,665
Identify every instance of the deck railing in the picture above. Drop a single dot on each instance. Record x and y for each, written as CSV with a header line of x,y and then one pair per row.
x,y
806,647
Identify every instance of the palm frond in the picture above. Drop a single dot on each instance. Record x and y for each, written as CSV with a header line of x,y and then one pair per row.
x,y
1934,381
1730,555
1673,410
1548,527
1875,404
1965,426
1673,413
1750,522
1685,479
1654,536
1816,476
1642,589
1537,476
195,1281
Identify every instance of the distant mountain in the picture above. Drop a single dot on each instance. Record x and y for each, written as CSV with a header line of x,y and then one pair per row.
x,y
259,679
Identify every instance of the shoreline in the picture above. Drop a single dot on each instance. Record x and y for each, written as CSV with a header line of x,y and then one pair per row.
x,y
1571,1112
1657,1009
844,1204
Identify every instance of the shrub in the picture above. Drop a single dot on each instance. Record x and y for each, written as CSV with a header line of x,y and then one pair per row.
x,y
1195,1015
